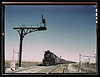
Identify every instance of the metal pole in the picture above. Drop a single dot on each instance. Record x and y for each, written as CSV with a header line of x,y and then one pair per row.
x,y
60,59
79,62
89,61
13,56
96,64
20,50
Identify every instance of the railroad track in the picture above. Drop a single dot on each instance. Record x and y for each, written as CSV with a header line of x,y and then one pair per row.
x,y
65,69
55,69
59,69
28,70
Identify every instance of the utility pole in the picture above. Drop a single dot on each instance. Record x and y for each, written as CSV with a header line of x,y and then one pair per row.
x,y
13,62
89,57
79,62
13,56
26,30
95,62
60,59
89,61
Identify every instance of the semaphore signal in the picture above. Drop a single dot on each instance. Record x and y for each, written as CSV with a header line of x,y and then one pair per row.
x,y
26,30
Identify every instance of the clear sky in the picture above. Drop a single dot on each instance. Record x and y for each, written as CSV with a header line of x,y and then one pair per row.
x,y
71,29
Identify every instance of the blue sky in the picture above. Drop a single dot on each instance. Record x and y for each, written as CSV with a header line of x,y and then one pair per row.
x,y
71,29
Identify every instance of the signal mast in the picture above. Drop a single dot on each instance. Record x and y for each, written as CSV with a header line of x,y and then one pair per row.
x,y
26,30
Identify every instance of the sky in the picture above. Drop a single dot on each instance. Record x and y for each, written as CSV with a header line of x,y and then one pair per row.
x,y
71,30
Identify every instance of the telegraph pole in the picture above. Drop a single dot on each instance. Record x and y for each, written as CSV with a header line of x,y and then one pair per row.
x,y
89,61
60,59
13,56
89,57
26,30
79,62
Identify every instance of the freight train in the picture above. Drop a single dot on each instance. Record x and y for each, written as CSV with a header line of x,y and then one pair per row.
x,y
51,59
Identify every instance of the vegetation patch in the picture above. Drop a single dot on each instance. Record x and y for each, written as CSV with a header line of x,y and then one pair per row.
x,y
24,64
91,68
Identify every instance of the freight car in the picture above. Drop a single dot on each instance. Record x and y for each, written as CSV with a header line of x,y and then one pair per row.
x,y
51,59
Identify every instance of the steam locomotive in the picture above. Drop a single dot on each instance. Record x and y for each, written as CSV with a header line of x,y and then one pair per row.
x,y
51,59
